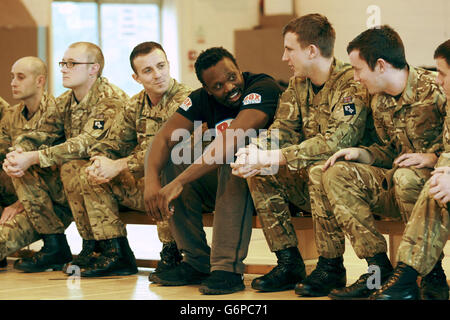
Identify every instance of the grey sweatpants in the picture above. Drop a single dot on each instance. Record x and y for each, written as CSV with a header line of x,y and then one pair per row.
x,y
231,201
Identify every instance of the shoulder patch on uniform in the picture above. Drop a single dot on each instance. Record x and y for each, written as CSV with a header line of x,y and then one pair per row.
x,y
187,103
349,109
252,98
347,99
98,124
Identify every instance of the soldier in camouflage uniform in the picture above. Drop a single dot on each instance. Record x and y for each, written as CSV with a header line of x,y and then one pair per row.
x,y
7,193
66,131
386,178
428,227
322,111
98,189
29,75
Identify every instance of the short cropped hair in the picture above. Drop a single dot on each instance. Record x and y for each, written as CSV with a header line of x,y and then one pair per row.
x,y
313,29
443,51
143,49
381,42
94,53
209,58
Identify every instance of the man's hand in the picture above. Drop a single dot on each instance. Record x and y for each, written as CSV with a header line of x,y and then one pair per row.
x,y
251,161
17,162
11,211
440,185
157,199
103,169
349,154
416,160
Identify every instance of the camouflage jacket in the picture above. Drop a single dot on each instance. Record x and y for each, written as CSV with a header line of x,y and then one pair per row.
x,y
444,159
312,126
15,123
71,127
137,124
414,123
3,106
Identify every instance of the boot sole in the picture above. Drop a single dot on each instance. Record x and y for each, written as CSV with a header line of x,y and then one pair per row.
x,y
183,282
285,288
211,291
108,273
57,267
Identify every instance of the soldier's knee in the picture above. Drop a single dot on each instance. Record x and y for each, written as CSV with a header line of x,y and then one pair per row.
x,y
315,173
406,179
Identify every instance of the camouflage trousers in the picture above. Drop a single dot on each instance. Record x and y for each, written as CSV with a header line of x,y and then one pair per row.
x,y
16,234
348,196
425,234
96,208
7,192
41,193
272,195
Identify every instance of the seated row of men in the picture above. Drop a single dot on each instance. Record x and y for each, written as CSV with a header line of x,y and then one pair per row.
x,y
92,151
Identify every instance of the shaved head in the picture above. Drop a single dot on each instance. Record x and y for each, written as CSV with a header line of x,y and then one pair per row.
x,y
93,52
34,65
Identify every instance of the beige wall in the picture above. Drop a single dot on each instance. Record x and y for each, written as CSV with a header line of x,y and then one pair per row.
x,y
207,23
423,25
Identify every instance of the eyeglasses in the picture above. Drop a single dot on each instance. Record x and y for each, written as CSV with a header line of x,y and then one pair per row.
x,y
71,64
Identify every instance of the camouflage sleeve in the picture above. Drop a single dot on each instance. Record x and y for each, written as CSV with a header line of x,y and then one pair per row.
x,y
344,128
120,139
5,136
444,159
96,127
152,126
50,129
286,128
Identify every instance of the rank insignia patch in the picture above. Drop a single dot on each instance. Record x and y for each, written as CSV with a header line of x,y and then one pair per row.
x,y
98,124
349,109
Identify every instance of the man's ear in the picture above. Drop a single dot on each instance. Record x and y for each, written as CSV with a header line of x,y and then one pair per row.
x,y
136,78
381,65
40,80
313,51
94,69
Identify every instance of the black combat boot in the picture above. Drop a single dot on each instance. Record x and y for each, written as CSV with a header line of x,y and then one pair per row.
x,y
3,263
89,252
289,271
116,259
401,285
361,289
434,285
329,274
53,255
170,258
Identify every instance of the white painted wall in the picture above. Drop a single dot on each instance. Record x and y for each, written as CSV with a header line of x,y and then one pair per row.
x,y
423,25
207,23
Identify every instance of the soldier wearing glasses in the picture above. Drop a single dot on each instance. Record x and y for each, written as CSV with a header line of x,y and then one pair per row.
x,y
81,116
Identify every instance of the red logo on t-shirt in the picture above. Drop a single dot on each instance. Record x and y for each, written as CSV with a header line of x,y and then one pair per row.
x,y
252,98
187,103
222,126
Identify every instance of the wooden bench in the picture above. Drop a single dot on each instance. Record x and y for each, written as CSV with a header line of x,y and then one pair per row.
x,y
304,231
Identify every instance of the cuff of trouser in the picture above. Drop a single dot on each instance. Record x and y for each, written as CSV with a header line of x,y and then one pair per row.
x,y
235,269
197,264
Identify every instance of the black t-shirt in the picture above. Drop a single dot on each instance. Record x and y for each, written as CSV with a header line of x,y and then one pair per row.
x,y
261,92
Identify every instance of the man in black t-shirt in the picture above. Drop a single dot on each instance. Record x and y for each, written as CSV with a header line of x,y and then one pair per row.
x,y
232,104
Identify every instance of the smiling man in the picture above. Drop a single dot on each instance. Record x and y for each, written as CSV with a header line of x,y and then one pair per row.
x,y
385,178
100,186
229,102
81,116
322,111
425,235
